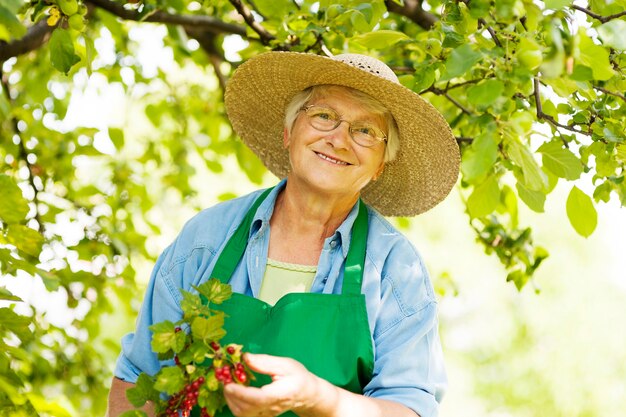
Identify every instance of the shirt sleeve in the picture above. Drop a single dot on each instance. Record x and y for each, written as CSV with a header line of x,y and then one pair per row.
x,y
160,303
408,359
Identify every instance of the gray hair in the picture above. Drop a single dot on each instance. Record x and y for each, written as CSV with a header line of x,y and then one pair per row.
x,y
368,102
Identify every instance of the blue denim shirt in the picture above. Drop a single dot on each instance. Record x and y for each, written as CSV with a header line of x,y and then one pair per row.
x,y
401,306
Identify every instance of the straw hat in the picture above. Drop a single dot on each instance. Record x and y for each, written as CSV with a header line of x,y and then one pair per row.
x,y
427,164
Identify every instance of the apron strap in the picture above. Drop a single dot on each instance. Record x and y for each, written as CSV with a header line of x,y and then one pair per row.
x,y
236,246
355,261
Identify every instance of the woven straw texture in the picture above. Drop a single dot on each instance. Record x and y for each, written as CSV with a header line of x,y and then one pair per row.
x,y
427,165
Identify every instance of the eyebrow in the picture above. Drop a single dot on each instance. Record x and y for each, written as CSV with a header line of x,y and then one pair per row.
x,y
370,119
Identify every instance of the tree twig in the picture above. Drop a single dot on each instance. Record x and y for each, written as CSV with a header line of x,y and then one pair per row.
x,y
264,35
602,19
206,40
414,11
207,22
440,92
492,32
543,116
612,93
36,36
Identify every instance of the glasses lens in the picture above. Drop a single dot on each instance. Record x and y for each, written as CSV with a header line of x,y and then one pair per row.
x,y
366,135
322,118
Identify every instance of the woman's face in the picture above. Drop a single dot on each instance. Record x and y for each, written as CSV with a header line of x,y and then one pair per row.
x,y
332,162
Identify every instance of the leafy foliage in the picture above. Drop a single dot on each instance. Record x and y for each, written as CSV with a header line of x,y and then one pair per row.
x,y
534,95
201,365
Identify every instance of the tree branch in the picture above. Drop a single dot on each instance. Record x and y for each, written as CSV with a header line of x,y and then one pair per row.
x,y
265,36
492,32
611,93
602,19
36,36
206,40
207,22
440,92
414,11
541,115
23,152
39,33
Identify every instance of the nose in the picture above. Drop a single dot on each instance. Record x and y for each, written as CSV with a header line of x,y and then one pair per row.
x,y
340,136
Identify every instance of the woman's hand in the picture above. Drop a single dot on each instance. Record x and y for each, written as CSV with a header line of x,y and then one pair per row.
x,y
293,387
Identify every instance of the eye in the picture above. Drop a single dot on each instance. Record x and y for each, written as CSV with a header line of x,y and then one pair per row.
x,y
365,130
322,114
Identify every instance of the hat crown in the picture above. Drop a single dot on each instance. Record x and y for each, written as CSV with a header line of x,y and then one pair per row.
x,y
368,64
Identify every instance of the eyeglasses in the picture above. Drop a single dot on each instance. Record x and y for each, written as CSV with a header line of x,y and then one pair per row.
x,y
325,119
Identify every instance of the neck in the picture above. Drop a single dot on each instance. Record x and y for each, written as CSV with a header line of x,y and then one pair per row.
x,y
311,213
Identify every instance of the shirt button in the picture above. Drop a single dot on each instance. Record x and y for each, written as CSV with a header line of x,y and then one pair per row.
x,y
333,243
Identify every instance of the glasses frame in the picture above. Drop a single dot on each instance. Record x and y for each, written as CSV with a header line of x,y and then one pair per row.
x,y
305,109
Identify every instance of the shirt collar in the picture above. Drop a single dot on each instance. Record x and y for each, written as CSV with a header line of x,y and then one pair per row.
x,y
264,213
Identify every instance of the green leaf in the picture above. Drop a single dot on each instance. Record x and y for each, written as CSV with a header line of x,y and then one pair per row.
x,y
535,200
484,199
621,153
556,4
359,21
134,413
45,407
461,60
581,212
142,392
62,54
117,137
519,278
613,34
595,56
479,158
192,305
215,291
379,39
11,23
8,295
208,328
166,338
10,320
560,161
485,93
13,207
25,239
170,380
534,178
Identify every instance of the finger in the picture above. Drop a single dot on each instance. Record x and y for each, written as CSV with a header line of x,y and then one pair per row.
x,y
243,400
271,365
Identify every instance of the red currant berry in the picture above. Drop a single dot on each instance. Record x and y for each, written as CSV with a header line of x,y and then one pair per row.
x,y
231,350
215,345
177,329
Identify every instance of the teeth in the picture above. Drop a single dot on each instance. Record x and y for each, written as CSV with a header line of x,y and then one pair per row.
x,y
334,161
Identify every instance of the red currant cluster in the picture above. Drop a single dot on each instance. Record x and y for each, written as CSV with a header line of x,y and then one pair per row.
x,y
185,400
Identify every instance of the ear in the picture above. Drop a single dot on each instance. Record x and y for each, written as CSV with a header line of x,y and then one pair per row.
x,y
379,171
285,137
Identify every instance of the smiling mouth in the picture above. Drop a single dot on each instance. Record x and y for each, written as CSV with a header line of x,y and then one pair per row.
x,y
331,160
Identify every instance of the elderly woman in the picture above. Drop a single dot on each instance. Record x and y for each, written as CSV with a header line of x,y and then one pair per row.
x,y
334,303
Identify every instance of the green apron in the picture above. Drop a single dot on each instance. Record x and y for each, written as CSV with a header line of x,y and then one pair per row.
x,y
327,333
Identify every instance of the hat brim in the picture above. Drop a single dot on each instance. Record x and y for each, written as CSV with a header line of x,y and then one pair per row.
x,y
426,166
